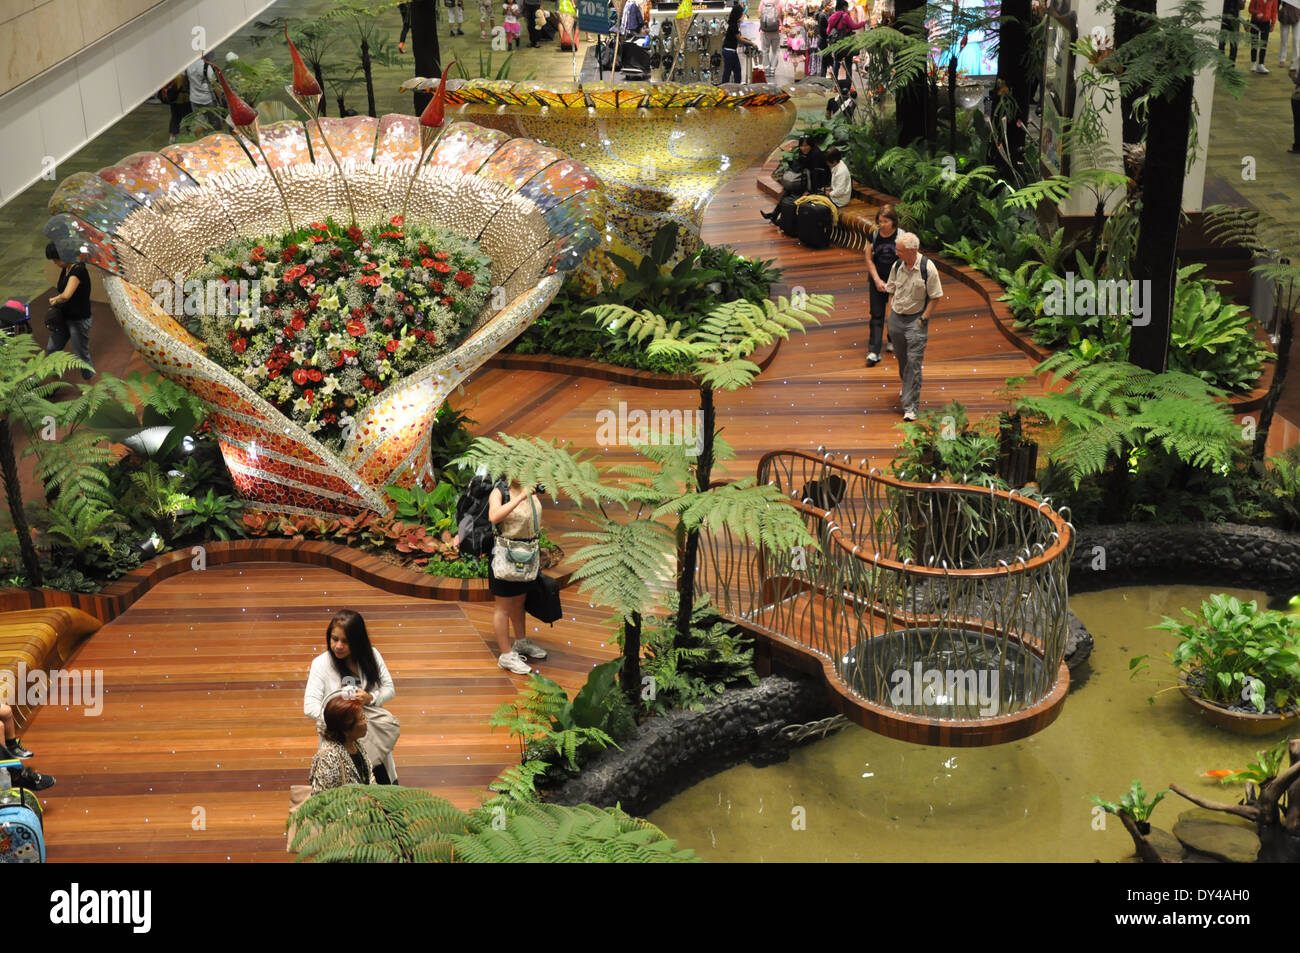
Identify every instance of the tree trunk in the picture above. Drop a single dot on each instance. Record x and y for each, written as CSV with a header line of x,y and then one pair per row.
x,y
630,676
704,476
1128,26
1275,389
1155,262
1148,853
370,78
913,99
1013,50
424,45
952,105
14,494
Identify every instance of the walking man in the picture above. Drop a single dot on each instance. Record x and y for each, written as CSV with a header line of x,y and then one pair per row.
x,y
913,288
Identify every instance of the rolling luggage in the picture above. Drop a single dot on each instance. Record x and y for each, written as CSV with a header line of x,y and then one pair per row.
x,y
787,216
815,221
22,835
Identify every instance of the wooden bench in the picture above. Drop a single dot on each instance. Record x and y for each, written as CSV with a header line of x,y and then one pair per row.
x,y
856,220
40,640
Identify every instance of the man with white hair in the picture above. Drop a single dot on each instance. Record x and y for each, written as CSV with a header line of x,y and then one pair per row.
x,y
913,288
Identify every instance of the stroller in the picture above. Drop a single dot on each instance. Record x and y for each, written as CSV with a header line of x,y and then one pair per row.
x,y
15,319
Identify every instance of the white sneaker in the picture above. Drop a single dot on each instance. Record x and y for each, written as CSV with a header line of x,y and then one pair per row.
x,y
528,648
910,417
1261,68
514,662
889,347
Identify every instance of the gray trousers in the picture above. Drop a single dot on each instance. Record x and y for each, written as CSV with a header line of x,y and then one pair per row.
x,y
909,336
79,334
771,53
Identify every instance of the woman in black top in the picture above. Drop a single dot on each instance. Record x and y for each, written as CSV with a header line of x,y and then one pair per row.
x,y
882,252
73,302
730,44
807,172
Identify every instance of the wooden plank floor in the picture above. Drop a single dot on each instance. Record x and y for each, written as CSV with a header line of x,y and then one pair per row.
x,y
204,676
204,679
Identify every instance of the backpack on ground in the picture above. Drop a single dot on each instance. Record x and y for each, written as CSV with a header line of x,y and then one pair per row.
x,y
472,523
769,19
787,215
815,222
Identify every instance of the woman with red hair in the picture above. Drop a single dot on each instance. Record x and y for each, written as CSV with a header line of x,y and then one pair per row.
x,y
340,760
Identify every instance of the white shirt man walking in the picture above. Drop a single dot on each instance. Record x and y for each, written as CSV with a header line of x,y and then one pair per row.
x,y
913,288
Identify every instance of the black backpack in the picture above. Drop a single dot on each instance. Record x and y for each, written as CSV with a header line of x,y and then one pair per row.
x,y
472,521
925,270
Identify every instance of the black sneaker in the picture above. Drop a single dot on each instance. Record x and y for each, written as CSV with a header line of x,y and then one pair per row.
x,y
16,749
33,781
87,375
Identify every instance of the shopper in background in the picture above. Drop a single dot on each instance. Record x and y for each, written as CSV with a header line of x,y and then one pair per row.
x,y
487,19
731,42
881,254
770,13
176,94
1263,14
1288,36
1230,23
530,14
455,17
405,10
72,318
515,514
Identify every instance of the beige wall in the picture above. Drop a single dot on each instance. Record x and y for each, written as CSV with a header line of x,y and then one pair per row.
x,y
37,34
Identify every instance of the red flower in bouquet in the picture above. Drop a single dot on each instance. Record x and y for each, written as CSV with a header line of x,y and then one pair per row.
x,y
441,255
300,376
441,267
288,332
406,263
294,273
391,235
307,281
297,323
354,233
373,281
356,328
436,287
319,226
392,346
288,254
309,394
257,254
315,375
464,279
370,266
320,238
427,262
239,346
396,220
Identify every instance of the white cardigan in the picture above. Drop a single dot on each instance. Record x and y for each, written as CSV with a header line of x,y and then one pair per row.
x,y
324,679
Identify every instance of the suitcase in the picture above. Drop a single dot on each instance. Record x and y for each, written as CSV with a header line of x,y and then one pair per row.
x,y
787,216
815,222
22,836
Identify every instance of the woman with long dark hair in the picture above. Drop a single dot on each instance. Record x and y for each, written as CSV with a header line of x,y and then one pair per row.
x,y
350,667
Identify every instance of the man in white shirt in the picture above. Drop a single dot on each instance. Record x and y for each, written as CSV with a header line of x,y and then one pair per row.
x,y
201,77
913,287
841,190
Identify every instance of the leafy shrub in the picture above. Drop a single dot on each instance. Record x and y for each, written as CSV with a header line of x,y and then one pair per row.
x,y
1233,650
1135,803
1213,339
717,655
1281,486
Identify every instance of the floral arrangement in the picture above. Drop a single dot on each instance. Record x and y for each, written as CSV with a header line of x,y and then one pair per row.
x,y
337,314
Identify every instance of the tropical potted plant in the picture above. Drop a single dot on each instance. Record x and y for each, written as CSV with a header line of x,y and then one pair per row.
x,y
1237,663
1134,811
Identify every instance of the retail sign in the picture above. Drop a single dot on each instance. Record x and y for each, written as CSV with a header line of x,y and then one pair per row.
x,y
593,16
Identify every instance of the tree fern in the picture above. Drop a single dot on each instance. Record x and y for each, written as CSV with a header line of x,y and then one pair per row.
x,y
755,514
376,824
549,833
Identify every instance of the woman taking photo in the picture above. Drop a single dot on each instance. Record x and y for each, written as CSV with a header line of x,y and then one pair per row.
x,y
349,655
515,515
340,759
881,255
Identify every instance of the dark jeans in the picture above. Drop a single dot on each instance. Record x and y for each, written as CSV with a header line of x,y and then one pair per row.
x,y
1259,30
530,14
179,112
878,299
79,333
1230,22
1295,124
730,66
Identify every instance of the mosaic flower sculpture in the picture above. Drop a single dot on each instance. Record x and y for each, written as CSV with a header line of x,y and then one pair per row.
x,y
662,149
520,215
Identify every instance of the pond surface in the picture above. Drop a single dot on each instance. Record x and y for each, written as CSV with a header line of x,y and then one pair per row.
x,y
865,797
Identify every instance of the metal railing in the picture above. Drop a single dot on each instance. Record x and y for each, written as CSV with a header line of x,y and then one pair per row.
x,y
929,600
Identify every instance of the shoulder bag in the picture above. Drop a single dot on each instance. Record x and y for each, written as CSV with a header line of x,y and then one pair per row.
x,y
518,560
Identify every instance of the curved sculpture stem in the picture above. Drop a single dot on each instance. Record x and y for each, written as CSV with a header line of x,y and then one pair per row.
x,y
419,164
276,179
347,192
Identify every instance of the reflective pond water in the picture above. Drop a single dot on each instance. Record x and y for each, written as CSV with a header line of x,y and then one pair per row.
x,y
863,797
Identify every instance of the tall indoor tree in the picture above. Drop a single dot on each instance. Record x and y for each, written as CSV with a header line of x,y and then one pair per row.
x,y
1015,68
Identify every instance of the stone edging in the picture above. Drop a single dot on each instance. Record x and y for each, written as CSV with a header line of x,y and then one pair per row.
x,y
1257,557
119,595
671,752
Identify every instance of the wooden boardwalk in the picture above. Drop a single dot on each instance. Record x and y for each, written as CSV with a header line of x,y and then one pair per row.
x,y
202,730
